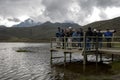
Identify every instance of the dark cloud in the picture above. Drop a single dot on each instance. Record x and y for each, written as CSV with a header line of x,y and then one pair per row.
x,y
56,10
18,7
14,19
88,6
107,3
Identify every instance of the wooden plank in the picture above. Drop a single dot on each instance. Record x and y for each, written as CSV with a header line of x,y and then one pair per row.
x,y
66,50
110,51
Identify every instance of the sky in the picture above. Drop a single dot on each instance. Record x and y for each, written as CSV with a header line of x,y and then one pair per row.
x,y
79,11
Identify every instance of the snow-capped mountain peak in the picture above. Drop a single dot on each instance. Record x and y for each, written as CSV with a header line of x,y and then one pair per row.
x,y
27,23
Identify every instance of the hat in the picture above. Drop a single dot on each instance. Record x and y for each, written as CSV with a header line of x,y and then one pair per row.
x,y
89,28
70,27
94,30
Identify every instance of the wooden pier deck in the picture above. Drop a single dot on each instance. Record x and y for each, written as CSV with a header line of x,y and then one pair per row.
x,y
84,51
110,51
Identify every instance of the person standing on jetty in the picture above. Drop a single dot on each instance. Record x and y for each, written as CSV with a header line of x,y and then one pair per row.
x,y
108,36
100,39
75,37
95,34
89,34
69,41
58,35
66,38
80,37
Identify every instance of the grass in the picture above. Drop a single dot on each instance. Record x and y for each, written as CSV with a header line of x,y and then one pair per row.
x,y
22,50
102,72
116,67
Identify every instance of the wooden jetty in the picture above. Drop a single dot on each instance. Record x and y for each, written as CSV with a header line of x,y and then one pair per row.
x,y
97,51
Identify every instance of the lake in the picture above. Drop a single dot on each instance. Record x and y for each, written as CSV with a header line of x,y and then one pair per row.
x,y
33,65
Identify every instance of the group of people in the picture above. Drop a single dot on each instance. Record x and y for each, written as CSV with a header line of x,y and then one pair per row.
x,y
74,37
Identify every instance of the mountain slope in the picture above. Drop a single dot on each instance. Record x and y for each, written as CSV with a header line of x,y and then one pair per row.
x,y
27,23
106,24
47,30
40,32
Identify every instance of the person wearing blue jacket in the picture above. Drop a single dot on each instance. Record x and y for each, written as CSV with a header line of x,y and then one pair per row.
x,y
58,37
108,36
100,38
75,37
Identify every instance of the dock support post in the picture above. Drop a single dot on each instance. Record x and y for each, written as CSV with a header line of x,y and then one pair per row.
x,y
70,56
51,52
64,59
101,57
96,47
112,57
51,57
84,52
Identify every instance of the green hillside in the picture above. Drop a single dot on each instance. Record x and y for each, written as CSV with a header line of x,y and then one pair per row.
x,y
106,24
47,30
36,33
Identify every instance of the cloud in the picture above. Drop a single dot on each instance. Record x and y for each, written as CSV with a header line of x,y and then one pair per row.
x,y
79,11
88,7
57,10
14,19
17,8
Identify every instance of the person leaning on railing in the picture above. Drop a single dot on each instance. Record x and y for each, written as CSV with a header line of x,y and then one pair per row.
x,y
94,38
80,37
89,35
75,38
100,38
108,36
65,37
58,37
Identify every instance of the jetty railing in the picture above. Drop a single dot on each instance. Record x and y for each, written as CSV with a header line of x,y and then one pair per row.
x,y
86,45
86,42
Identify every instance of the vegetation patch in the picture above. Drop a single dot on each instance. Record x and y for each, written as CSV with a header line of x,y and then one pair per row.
x,y
116,67
100,71
23,50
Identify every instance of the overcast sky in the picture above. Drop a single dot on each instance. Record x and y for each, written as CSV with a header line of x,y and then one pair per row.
x,y
78,11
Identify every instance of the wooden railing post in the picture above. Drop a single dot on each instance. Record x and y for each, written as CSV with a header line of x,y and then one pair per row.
x,y
51,51
64,42
112,44
84,52
96,47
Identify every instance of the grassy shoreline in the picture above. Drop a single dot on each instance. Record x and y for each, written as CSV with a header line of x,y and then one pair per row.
x,y
101,72
27,41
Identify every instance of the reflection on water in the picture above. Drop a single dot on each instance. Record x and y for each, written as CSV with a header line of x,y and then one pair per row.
x,y
33,65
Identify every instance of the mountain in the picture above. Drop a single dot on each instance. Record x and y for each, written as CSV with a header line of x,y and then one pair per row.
x,y
47,30
106,24
27,23
57,24
2,26
36,33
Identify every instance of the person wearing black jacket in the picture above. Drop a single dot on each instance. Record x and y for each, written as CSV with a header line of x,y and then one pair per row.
x,y
89,35
100,39
81,37
94,38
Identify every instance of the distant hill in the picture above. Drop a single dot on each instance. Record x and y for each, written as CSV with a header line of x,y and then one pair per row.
x,y
35,33
27,23
2,26
106,24
47,30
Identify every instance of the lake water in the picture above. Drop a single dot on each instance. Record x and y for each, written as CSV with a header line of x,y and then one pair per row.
x,y
33,65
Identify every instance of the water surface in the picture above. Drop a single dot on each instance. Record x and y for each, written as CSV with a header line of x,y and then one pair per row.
x,y
35,65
